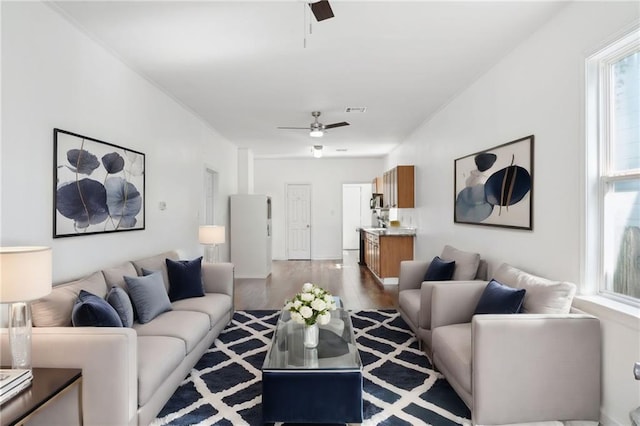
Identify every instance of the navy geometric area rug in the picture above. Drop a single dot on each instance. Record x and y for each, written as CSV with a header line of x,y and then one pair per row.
x,y
400,386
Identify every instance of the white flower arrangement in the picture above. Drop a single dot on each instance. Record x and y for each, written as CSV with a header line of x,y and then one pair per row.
x,y
312,305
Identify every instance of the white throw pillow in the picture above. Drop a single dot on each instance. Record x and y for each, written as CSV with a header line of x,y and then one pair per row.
x,y
543,296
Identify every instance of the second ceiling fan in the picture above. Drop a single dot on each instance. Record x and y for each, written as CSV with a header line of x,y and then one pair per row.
x,y
316,129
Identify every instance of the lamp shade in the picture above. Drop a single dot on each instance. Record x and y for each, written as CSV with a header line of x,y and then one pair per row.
x,y
211,234
25,273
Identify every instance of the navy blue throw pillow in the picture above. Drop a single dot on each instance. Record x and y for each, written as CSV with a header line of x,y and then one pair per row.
x,y
93,311
500,299
185,278
440,270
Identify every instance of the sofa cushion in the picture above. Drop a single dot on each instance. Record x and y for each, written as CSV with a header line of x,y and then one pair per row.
x,y
409,301
119,299
154,369
115,276
54,310
440,270
156,263
466,263
190,327
500,299
215,305
453,346
185,278
148,296
543,296
93,311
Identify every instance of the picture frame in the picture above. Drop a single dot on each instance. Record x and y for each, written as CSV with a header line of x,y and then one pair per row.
x,y
98,187
494,187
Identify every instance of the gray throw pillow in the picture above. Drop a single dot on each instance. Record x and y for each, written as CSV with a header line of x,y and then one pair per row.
x,y
466,263
148,295
119,299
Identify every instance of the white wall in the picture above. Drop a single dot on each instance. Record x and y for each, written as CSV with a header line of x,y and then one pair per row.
x,y
55,76
537,89
326,177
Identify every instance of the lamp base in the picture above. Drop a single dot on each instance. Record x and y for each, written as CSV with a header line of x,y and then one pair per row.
x,y
20,335
211,253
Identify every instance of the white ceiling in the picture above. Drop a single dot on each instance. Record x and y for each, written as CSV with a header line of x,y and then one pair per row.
x,y
244,68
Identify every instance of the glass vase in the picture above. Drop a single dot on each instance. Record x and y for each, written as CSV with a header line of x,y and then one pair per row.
x,y
311,334
20,335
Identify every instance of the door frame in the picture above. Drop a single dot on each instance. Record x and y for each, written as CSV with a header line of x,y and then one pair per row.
x,y
363,206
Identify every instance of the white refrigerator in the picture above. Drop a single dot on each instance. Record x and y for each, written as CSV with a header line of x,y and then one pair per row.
x,y
250,235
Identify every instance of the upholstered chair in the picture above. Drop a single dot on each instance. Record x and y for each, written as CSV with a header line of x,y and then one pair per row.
x,y
414,293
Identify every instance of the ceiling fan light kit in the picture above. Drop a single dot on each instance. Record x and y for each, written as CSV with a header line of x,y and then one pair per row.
x,y
317,151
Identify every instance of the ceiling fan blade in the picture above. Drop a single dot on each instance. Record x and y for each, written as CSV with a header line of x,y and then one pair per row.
x,y
300,128
334,125
321,10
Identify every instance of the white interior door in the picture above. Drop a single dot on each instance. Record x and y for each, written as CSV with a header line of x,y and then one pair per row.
x,y
298,221
351,216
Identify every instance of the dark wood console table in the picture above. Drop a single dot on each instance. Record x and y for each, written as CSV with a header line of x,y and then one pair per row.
x,y
48,385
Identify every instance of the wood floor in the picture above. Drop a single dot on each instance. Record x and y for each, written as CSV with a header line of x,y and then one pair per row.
x,y
353,283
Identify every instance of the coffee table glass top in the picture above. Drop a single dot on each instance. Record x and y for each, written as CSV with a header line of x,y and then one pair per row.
x,y
336,348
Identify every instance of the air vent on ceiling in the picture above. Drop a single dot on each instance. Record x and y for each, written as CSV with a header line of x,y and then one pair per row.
x,y
355,109
341,149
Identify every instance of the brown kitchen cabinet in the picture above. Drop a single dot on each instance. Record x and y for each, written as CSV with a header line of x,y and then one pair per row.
x,y
377,185
399,187
383,253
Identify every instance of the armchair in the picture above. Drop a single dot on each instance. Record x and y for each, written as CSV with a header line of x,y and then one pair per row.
x,y
414,294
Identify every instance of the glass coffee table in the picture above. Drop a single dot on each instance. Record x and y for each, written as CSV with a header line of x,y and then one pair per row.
x,y
320,385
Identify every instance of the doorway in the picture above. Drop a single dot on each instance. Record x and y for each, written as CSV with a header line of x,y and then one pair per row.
x,y
210,194
298,221
355,213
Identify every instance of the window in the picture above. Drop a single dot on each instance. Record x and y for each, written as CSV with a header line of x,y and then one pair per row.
x,y
613,169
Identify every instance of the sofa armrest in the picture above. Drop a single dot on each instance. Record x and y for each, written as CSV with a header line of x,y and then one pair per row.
x,y
108,359
412,274
535,367
218,278
453,302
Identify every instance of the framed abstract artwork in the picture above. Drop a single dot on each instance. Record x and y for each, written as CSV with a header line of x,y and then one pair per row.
x,y
98,187
494,187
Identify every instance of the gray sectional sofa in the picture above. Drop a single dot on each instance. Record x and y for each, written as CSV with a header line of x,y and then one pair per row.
x,y
541,365
129,373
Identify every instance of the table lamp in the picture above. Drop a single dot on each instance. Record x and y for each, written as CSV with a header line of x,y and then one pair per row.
x,y
25,275
211,236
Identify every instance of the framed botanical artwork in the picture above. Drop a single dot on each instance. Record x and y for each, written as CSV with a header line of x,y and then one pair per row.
x,y
494,187
98,186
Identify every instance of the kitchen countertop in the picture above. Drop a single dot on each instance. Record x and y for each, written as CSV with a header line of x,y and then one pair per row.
x,y
392,231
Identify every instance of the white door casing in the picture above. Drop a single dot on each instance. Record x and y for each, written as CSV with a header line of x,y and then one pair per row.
x,y
210,194
298,221
351,214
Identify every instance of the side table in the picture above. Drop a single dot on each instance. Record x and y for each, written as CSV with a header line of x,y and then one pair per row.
x,y
47,395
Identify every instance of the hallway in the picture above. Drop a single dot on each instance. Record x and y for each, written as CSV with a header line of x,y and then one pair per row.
x,y
353,283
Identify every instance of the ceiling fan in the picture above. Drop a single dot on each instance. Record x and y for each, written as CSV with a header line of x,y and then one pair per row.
x,y
316,129
321,10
